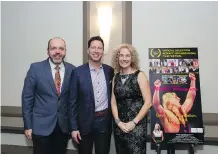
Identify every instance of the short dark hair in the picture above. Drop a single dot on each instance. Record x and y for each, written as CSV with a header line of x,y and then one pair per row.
x,y
52,39
95,38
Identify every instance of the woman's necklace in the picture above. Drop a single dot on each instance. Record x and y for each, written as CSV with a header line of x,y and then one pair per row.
x,y
124,78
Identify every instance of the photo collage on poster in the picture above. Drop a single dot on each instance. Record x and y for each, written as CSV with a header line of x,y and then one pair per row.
x,y
174,71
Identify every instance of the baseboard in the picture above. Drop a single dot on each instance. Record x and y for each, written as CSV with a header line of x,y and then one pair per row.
x,y
17,149
210,119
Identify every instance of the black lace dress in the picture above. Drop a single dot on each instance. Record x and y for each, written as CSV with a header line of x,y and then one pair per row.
x,y
129,102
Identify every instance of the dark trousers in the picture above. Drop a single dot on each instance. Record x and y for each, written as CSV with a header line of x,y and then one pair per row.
x,y
55,143
100,137
158,148
101,142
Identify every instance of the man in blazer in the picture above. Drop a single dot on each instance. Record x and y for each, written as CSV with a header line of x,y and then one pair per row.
x,y
44,101
89,104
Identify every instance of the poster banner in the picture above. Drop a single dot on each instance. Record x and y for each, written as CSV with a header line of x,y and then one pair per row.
x,y
176,114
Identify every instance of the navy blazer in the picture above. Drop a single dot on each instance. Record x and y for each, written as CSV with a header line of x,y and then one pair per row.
x,y
41,105
81,107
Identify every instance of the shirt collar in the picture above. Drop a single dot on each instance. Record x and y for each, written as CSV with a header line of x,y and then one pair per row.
x,y
92,68
53,65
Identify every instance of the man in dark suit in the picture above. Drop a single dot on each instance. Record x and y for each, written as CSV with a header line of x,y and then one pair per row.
x,y
89,104
44,101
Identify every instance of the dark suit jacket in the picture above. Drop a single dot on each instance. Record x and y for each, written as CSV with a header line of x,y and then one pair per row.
x,y
41,105
82,103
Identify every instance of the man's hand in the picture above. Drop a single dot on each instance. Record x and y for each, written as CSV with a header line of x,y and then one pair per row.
x,y
76,136
28,134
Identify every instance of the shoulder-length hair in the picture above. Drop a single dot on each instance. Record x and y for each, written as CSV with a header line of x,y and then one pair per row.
x,y
134,57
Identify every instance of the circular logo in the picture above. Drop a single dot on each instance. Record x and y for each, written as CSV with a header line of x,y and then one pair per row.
x,y
155,53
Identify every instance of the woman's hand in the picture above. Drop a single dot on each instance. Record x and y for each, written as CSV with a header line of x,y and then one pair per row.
x,y
192,76
130,125
157,83
123,127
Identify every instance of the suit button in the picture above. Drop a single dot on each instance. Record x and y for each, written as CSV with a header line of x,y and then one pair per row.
x,y
58,110
58,98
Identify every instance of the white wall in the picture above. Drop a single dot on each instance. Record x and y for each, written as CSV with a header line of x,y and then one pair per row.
x,y
180,24
26,29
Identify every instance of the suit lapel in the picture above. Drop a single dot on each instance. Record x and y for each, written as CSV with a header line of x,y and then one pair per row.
x,y
49,75
106,73
89,81
66,76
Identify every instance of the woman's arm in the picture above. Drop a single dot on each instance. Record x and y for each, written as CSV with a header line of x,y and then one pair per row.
x,y
156,100
162,135
190,95
115,110
146,94
153,137
114,103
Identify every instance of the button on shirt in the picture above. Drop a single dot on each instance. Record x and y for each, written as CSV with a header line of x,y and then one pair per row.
x,y
61,70
99,88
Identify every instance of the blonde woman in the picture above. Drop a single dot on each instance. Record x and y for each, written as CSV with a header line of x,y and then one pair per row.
x,y
131,101
173,115
157,136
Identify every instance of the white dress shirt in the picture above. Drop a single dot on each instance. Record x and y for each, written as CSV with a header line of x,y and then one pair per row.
x,y
61,71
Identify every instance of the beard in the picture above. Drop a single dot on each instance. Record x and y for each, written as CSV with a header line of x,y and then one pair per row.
x,y
56,62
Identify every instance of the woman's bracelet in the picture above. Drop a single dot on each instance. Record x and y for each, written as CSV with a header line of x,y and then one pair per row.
x,y
157,88
134,122
192,89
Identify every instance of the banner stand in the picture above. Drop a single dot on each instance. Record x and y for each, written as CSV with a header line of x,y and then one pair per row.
x,y
191,149
171,149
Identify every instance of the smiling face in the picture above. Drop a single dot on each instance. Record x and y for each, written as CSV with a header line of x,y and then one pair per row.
x,y
57,50
125,58
95,51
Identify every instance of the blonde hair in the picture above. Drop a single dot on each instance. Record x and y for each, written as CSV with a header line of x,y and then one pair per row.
x,y
167,99
156,125
134,57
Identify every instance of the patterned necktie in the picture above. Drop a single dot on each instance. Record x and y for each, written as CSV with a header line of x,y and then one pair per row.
x,y
58,80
